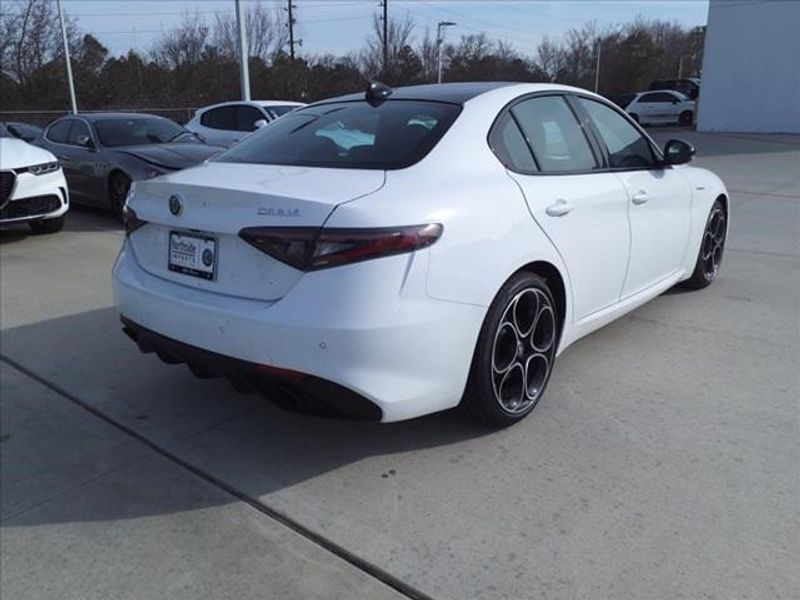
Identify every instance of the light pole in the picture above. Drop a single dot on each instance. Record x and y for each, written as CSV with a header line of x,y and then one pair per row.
x,y
66,59
244,67
597,67
440,42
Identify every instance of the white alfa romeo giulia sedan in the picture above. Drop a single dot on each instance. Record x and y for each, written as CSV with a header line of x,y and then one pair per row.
x,y
400,252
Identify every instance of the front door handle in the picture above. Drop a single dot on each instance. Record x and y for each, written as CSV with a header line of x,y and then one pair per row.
x,y
640,197
559,208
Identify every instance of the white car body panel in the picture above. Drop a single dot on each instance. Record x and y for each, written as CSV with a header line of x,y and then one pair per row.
x,y
227,137
16,156
401,330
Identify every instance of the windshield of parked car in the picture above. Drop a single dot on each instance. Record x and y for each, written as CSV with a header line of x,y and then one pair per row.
x,y
353,135
4,133
134,131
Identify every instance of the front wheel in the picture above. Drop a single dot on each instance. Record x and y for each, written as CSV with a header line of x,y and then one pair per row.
x,y
686,117
711,249
47,225
515,352
118,186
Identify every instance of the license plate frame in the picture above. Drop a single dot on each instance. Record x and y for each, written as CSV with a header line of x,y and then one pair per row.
x,y
187,253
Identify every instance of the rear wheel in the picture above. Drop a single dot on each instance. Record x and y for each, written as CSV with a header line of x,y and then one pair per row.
x,y
686,117
515,352
118,186
711,249
47,225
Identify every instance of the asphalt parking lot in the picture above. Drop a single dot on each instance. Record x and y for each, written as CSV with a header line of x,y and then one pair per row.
x,y
663,462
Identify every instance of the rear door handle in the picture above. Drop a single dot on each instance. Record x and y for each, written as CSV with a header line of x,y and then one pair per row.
x,y
559,208
640,197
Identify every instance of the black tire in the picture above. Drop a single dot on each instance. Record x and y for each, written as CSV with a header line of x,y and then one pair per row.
x,y
709,257
47,225
686,117
118,185
514,355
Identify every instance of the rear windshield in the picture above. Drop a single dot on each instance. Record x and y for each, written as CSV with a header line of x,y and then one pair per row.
x,y
349,135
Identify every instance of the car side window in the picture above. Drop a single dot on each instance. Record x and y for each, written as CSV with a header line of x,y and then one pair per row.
x,y
59,132
223,117
246,117
627,147
559,144
509,145
79,130
658,97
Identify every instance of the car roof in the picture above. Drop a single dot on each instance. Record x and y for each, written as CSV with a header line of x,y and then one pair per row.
x,y
455,93
251,103
660,92
105,116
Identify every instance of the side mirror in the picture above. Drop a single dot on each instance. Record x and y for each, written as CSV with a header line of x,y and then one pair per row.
x,y
260,123
678,152
84,141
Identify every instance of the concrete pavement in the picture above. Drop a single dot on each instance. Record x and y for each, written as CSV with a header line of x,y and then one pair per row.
x,y
663,462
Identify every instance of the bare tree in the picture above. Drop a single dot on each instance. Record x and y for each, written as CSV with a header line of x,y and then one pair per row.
x,y
266,35
399,40
30,37
184,46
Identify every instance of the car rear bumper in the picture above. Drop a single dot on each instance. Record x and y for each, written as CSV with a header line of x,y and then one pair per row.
x,y
401,351
35,197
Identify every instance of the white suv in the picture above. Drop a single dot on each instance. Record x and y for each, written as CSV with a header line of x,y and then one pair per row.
x,y
226,123
661,107
32,186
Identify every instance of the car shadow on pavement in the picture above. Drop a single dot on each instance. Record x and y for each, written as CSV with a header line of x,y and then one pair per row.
x,y
87,219
240,439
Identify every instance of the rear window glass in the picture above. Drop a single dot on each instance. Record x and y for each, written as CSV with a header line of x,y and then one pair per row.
x,y
355,135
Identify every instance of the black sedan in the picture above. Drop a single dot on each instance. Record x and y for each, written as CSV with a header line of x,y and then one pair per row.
x,y
102,153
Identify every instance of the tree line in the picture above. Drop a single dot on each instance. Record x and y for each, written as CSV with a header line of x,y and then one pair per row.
x,y
196,63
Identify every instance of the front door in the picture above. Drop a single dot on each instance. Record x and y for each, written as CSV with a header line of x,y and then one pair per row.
x,y
659,198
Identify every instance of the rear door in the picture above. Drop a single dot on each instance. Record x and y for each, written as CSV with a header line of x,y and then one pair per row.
x,y
220,125
659,198
582,210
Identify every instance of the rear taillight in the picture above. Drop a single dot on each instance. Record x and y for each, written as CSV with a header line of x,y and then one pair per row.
x,y
311,248
130,220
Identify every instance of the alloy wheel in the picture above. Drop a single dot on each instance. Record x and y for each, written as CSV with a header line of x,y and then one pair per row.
x,y
523,351
713,243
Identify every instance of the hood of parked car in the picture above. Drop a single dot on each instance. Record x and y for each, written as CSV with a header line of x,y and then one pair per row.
x,y
171,156
15,153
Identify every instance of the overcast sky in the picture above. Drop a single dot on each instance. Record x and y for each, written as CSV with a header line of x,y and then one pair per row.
x,y
340,26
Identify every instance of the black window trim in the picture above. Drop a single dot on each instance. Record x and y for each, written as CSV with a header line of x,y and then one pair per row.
x,y
71,119
596,142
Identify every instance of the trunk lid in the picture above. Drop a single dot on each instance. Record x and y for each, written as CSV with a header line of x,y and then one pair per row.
x,y
220,199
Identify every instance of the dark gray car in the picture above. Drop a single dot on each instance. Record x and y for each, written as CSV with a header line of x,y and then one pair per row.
x,y
102,153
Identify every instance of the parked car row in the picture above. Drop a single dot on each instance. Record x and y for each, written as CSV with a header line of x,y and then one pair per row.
x,y
93,158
